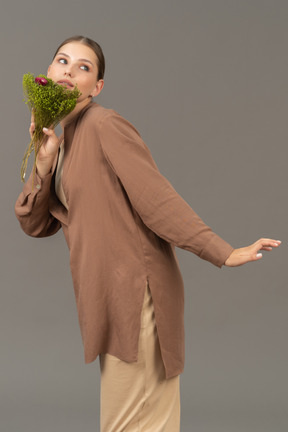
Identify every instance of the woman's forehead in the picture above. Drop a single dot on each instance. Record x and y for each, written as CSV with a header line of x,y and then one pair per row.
x,y
78,50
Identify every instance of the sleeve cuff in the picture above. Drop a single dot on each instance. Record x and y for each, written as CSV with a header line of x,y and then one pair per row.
x,y
217,251
35,183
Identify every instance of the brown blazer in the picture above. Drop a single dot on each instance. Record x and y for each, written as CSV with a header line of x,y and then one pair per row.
x,y
123,222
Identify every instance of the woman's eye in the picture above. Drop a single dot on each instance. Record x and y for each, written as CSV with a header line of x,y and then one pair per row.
x,y
62,60
84,67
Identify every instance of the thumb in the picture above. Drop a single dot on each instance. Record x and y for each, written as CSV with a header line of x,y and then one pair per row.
x,y
51,135
255,257
52,142
48,132
252,252
258,256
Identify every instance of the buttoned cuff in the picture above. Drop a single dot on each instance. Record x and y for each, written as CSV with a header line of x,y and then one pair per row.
x,y
35,183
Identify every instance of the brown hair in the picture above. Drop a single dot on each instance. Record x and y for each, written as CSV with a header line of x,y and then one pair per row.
x,y
94,46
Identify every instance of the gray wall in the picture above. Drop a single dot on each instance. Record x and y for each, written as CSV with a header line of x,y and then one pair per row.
x,y
205,83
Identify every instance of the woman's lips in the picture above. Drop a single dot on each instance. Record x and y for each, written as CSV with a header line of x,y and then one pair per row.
x,y
65,83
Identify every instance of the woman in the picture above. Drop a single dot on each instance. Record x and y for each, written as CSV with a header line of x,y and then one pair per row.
x,y
121,219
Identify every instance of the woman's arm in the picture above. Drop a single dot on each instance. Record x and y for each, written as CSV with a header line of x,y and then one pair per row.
x,y
31,207
160,207
32,210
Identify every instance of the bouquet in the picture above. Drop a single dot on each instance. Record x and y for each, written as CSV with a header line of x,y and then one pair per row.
x,y
50,102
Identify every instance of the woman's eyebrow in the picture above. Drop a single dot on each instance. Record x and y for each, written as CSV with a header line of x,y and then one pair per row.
x,y
85,60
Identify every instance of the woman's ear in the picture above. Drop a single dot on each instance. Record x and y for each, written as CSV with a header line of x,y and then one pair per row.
x,y
98,88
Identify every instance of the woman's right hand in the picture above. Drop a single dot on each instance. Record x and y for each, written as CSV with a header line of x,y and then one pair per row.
x,y
48,150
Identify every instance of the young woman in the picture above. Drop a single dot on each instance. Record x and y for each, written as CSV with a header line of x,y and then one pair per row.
x,y
121,219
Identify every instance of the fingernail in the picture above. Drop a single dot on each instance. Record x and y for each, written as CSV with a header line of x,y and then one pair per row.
x,y
259,255
45,129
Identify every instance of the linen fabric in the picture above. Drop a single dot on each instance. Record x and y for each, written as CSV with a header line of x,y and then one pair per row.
x,y
123,224
137,396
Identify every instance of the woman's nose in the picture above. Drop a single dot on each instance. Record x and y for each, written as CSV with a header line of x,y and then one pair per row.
x,y
68,70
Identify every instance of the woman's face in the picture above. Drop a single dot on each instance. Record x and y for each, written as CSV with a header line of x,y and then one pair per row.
x,y
76,63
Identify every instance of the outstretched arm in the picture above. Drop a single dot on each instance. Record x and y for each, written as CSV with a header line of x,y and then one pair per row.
x,y
158,204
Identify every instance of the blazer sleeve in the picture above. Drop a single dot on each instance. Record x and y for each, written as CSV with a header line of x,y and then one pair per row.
x,y
160,207
32,208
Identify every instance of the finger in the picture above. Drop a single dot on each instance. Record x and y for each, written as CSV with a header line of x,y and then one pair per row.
x,y
272,241
53,141
50,133
32,116
268,242
255,257
248,258
32,129
266,245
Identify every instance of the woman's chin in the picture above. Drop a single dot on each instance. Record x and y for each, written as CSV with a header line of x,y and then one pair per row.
x,y
83,100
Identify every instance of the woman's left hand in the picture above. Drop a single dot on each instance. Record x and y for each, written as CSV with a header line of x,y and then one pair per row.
x,y
250,253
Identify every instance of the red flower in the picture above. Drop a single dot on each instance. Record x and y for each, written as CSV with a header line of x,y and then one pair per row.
x,y
41,81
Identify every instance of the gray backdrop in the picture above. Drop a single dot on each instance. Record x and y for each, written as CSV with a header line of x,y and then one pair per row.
x,y
205,83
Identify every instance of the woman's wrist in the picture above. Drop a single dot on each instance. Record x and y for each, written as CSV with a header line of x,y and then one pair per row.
x,y
43,173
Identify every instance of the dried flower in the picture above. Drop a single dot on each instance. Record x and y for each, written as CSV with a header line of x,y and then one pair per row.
x,y
42,81
50,102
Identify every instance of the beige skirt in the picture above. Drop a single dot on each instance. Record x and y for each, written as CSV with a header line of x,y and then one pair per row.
x,y
136,397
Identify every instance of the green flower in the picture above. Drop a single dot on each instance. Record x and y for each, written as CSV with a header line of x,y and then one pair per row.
x,y
50,103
